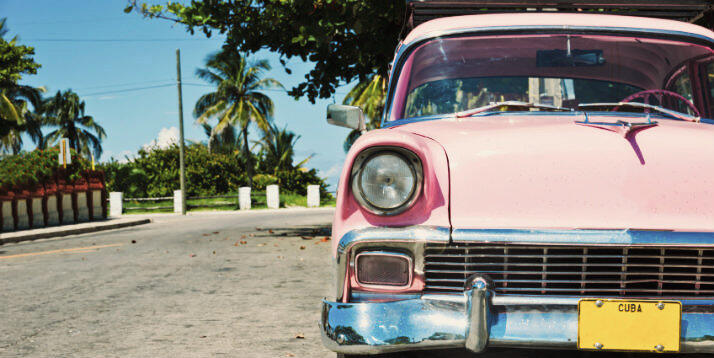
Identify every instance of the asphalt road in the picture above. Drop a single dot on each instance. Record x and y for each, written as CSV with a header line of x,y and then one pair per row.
x,y
199,286
210,285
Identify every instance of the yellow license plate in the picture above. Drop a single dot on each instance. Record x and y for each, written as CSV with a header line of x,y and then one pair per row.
x,y
629,325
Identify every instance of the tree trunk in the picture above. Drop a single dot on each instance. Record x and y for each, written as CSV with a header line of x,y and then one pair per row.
x,y
210,139
248,156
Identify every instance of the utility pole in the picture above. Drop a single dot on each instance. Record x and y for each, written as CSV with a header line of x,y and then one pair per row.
x,y
182,165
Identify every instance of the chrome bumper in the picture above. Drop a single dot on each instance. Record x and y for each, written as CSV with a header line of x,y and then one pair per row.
x,y
478,319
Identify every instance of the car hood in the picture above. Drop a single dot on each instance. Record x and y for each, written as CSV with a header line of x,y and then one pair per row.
x,y
546,171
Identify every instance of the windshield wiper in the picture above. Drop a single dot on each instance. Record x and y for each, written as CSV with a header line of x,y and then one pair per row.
x,y
668,112
494,105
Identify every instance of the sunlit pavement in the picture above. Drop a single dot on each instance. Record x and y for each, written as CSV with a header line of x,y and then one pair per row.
x,y
222,284
203,285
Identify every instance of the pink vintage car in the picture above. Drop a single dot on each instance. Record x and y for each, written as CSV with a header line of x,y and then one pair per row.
x,y
540,180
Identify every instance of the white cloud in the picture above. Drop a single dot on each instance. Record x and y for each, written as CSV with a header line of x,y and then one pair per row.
x,y
125,156
166,137
334,170
122,157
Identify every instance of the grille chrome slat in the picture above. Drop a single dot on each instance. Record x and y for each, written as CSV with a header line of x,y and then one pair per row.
x,y
565,256
625,271
565,281
606,290
659,266
611,273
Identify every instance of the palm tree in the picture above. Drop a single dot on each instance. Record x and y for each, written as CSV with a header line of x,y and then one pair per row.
x,y
368,95
228,141
16,117
238,99
65,111
278,147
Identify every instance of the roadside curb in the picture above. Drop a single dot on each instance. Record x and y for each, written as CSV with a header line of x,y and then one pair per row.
x,y
60,231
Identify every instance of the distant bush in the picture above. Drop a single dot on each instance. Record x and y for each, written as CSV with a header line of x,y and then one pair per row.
x,y
38,166
155,172
260,181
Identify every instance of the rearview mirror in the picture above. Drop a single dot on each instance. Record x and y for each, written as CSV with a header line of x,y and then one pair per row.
x,y
572,58
346,116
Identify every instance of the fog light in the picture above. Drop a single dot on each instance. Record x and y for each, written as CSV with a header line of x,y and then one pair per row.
x,y
378,268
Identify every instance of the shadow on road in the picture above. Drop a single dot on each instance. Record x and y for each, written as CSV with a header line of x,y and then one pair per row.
x,y
295,231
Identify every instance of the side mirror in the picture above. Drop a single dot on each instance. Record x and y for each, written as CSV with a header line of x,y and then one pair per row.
x,y
346,116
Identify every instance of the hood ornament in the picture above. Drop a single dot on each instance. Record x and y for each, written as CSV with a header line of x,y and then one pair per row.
x,y
621,127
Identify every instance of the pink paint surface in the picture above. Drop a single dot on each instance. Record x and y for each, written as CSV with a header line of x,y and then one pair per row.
x,y
537,171
441,25
430,209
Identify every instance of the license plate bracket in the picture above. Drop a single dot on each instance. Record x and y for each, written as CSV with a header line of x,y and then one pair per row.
x,y
629,325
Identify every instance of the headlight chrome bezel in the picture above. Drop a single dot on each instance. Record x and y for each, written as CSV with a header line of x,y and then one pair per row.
x,y
412,160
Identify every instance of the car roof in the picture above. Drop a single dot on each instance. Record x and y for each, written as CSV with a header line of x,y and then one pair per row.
x,y
453,24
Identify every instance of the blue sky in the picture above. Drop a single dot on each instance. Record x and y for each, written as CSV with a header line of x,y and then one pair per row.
x,y
91,47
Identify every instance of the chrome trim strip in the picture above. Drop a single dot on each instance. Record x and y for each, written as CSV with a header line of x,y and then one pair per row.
x,y
361,296
586,237
410,238
406,48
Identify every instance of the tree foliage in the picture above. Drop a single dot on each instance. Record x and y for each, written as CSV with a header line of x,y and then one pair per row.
x,y
65,111
345,39
154,173
368,95
237,100
18,103
278,149
15,60
36,167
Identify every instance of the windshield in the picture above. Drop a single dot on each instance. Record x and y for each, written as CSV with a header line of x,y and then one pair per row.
x,y
450,75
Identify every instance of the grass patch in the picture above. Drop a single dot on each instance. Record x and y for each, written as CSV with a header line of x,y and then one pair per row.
x,y
258,201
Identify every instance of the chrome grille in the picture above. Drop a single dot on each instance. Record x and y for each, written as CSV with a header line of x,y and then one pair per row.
x,y
573,270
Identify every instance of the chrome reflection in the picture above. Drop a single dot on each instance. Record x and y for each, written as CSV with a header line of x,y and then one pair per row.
x,y
448,321
411,239
586,237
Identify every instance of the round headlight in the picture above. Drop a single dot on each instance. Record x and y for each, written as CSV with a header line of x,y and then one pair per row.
x,y
387,181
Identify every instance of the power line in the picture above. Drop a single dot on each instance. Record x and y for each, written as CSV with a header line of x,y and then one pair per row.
x,y
128,90
125,84
205,85
115,40
171,84
70,21
264,89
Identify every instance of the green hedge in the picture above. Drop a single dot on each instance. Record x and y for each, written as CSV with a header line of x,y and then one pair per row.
x,y
155,172
37,166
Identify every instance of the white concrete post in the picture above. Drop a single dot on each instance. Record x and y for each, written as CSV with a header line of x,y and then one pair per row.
x,y
313,196
67,209
23,217
116,203
8,223
96,204
82,207
244,198
178,201
38,216
272,194
52,210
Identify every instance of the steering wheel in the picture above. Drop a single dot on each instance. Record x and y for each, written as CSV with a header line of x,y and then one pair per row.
x,y
659,94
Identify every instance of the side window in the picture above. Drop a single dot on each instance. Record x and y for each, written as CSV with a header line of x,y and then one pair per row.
x,y
682,85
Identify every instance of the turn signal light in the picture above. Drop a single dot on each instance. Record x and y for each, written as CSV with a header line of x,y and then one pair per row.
x,y
378,268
